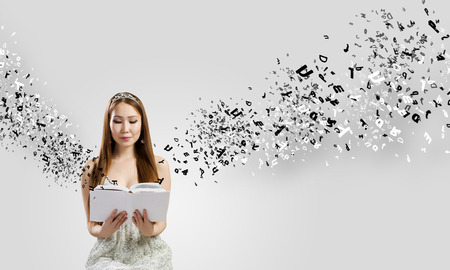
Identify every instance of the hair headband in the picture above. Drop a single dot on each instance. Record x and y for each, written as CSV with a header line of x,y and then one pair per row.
x,y
122,95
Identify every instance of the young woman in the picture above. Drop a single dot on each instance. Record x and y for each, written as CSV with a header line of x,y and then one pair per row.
x,y
126,158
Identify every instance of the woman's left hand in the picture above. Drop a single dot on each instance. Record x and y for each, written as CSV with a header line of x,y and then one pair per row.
x,y
143,223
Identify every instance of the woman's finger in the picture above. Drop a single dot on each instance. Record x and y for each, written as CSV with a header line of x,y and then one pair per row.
x,y
111,217
123,220
119,218
138,217
135,218
145,216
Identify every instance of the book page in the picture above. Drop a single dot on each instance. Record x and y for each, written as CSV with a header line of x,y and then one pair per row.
x,y
145,186
156,203
103,202
129,207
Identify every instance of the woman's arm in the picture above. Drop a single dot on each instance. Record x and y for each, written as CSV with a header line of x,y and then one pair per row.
x,y
164,172
97,229
93,227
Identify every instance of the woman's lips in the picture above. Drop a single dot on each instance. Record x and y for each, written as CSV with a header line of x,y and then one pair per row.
x,y
125,138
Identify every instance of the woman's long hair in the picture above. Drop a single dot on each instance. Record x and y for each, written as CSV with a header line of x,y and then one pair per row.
x,y
145,159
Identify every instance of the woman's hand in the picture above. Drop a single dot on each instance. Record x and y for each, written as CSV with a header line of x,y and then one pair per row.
x,y
112,224
143,223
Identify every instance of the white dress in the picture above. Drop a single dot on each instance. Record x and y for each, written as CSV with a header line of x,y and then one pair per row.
x,y
128,248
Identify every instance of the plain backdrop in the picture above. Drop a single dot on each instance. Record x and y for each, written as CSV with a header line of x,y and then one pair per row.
x,y
376,211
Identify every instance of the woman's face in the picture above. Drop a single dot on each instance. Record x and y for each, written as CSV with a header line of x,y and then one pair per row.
x,y
125,123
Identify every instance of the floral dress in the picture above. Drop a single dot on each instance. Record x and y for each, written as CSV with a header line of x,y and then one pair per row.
x,y
128,248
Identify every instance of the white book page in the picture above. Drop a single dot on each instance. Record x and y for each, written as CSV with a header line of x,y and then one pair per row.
x,y
140,186
128,201
156,203
103,202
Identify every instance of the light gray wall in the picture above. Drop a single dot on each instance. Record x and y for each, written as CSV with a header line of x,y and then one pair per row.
x,y
374,212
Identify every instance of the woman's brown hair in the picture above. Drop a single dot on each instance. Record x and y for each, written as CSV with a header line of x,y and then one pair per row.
x,y
145,159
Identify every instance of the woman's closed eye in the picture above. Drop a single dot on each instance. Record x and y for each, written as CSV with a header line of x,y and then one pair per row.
x,y
118,122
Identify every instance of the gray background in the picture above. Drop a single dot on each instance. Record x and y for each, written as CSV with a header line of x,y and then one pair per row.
x,y
374,212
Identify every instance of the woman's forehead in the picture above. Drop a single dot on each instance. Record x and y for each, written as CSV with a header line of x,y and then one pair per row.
x,y
124,110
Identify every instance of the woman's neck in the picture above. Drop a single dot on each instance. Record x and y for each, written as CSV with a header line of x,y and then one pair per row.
x,y
124,153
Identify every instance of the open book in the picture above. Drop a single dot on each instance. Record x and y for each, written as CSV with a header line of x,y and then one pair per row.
x,y
150,196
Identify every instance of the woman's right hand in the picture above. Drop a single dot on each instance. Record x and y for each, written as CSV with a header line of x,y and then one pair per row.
x,y
112,224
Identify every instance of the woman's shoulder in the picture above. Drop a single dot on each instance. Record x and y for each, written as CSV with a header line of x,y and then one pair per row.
x,y
162,166
90,163
88,168
161,163
160,160
87,172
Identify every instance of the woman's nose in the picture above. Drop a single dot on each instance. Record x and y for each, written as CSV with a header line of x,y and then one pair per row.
x,y
125,126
